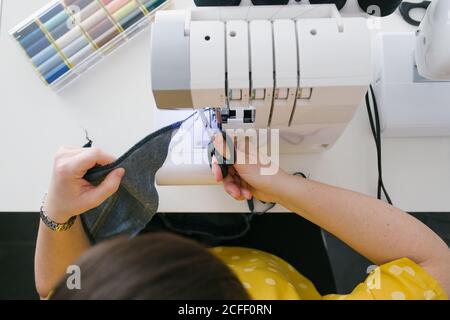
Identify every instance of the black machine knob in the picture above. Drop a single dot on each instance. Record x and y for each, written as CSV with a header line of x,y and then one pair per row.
x,y
339,3
379,8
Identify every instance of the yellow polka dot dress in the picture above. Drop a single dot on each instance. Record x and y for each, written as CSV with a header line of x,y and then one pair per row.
x,y
267,277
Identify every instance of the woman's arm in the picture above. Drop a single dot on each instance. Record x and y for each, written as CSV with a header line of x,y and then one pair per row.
x,y
69,195
375,229
55,251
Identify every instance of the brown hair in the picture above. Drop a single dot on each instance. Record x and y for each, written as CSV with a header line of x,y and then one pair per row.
x,y
152,266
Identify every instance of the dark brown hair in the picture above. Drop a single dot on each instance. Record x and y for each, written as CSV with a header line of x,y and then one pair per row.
x,y
152,266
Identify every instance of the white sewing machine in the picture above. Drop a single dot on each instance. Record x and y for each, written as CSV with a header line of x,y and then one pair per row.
x,y
413,82
301,69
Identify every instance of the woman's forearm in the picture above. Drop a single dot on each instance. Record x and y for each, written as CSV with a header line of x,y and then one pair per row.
x,y
55,251
378,231
69,195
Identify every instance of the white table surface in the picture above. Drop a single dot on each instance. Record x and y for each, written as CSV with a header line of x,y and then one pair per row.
x,y
113,101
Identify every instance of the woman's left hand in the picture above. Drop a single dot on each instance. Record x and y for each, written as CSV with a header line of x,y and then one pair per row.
x,y
69,193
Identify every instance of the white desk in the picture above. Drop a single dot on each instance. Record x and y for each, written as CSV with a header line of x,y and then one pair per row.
x,y
114,103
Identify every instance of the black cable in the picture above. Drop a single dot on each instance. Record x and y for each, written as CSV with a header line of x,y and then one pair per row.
x,y
89,141
374,120
377,136
270,205
380,172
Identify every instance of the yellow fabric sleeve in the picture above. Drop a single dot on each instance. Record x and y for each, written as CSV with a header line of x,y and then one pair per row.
x,y
401,279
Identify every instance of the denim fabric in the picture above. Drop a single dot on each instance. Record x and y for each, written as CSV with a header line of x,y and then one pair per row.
x,y
134,205
136,201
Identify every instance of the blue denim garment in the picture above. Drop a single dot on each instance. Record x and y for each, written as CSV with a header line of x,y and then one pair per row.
x,y
136,201
134,205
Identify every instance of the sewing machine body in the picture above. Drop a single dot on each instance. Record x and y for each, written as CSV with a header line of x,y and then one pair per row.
x,y
303,70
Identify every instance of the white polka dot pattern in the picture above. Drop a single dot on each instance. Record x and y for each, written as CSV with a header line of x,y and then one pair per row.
x,y
398,295
265,276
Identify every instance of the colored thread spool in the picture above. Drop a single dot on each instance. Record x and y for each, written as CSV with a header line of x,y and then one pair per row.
x,y
131,19
55,73
71,31
151,5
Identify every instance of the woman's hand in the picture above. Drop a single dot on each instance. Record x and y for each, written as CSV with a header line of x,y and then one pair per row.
x,y
69,194
247,177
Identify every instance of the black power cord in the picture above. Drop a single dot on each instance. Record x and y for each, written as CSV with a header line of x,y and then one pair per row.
x,y
374,120
267,205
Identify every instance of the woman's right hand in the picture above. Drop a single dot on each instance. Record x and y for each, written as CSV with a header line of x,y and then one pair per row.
x,y
69,193
247,177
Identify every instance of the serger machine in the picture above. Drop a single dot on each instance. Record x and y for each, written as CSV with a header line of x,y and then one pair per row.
x,y
301,69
